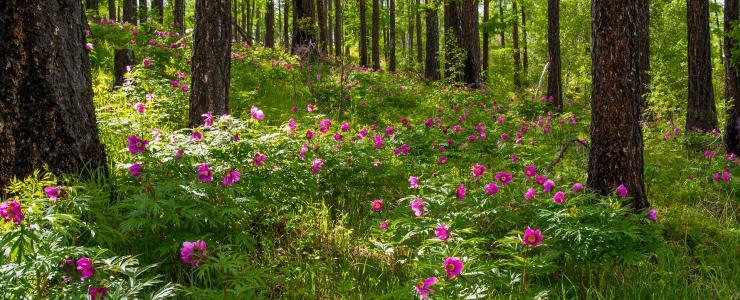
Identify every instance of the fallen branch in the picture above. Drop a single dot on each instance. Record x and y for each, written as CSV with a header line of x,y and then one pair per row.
x,y
562,152
539,85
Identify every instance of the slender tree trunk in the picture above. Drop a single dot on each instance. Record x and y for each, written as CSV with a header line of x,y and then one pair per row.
x,y
363,33
304,41
129,11
471,43
112,9
410,31
453,38
702,114
517,54
431,64
502,39
286,26
47,116
392,36
616,153
419,49
525,54
338,30
323,36
732,79
376,35
179,16
270,24
554,79
122,59
211,60
158,8
484,58
143,11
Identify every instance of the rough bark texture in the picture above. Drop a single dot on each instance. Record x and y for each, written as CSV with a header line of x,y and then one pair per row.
x,y
419,49
431,64
643,33
392,36
47,115
122,58
270,24
376,35
338,30
517,54
554,79
616,153
732,80
158,9
453,36
323,35
179,15
701,112
304,41
525,54
129,11
363,33
286,25
484,57
112,9
471,43
143,11
211,62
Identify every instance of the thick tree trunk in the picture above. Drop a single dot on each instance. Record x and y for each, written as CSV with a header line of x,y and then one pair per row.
x,y
517,54
376,35
419,49
392,37
453,39
47,116
525,54
304,42
616,153
122,59
286,25
270,24
143,11
363,33
554,79
323,35
158,8
129,11
502,39
112,9
484,57
431,64
732,79
471,43
211,60
701,112
338,30
179,16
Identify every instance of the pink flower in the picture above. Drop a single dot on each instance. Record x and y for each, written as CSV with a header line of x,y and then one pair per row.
x,y
491,189
291,124
577,187
424,288
653,214
338,137
389,131
478,170
309,134
383,225
622,191
302,152
540,179
257,114
442,160
259,159
147,62
85,266
548,185
530,171
414,182
136,170
89,46
377,205
442,233
460,192
530,194
136,145
504,137
324,126
453,267
404,149
11,211
418,207
98,293
504,177
559,197
208,121
139,107
54,192
204,173
194,253
513,158
317,164
345,127
726,175
378,141
309,107
196,136
231,177
532,237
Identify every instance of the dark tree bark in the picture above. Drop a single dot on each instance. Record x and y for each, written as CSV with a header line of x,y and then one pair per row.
x,y
616,153
701,112
502,39
484,58
732,79
471,43
143,11
129,11
376,35
179,15
419,49
158,8
453,37
517,54
431,64
211,60
286,25
410,31
643,33
363,33
112,9
525,54
323,35
122,58
338,30
47,116
392,36
304,41
554,79
270,24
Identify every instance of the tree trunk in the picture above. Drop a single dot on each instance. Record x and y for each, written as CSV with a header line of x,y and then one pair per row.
x,y
525,54
304,41
47,116
484,58
211,60
701,113
286,25
323,36
431,64
158,8
112,9
471,43
732,80
363,33
376,35
502,39
129,11
554,79
179,16
122,58
453,39
419,49
410,31
392,36
338,28
643,32
270,24
616,153
517,55
143,11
